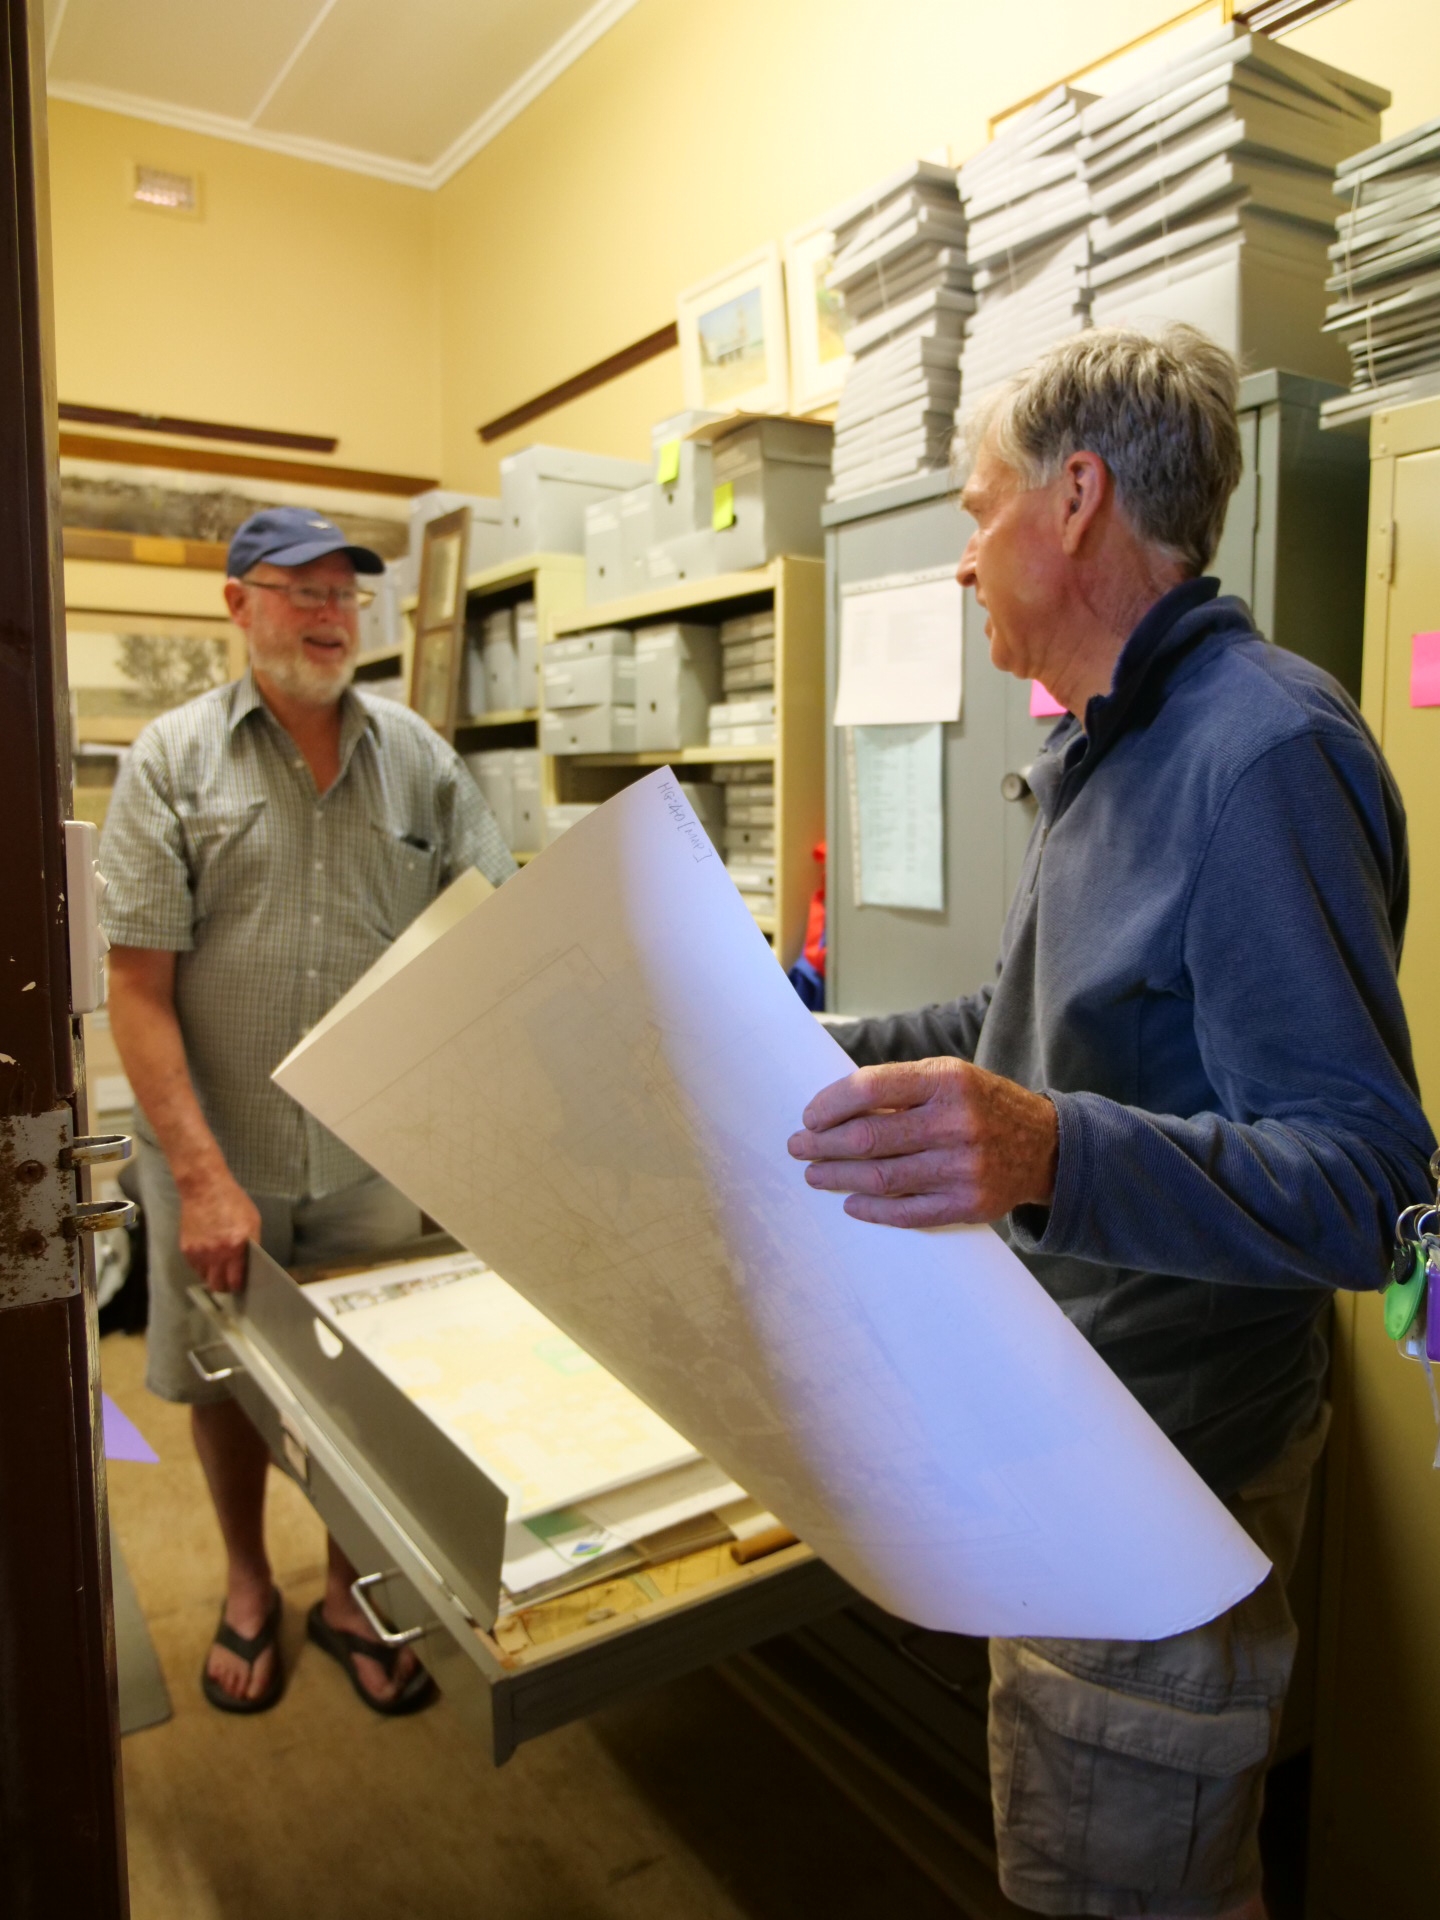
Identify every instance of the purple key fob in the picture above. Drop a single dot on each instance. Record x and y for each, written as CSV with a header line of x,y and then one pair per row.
x,y
1432,1310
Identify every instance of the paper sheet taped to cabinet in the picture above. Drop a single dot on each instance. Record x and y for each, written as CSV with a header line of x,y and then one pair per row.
x,y
590,1080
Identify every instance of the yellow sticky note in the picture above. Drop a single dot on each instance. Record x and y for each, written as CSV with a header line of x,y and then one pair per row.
x,y
722,513
669,467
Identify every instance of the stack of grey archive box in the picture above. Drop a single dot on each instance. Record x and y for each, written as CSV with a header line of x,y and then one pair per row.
x,y
1210,182
1027,211
509,778
1385,274
502,661
745,717
749,832
544,492
900,269
589,693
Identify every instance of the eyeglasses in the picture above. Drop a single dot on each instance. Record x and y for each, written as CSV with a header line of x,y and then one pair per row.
x,y
306,598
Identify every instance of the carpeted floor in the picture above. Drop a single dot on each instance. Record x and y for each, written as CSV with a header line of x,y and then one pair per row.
x,y
679,1805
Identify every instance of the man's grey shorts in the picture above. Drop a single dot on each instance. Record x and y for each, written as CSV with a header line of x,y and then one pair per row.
x,y
370,1217
1128,1775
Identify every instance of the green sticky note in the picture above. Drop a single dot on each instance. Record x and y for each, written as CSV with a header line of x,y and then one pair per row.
x,y
669,467
722,513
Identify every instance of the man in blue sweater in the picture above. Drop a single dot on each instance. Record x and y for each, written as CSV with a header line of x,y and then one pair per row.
x,y
1187,1097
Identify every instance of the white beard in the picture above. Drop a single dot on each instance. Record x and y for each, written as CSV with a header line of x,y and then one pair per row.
x,y
299,678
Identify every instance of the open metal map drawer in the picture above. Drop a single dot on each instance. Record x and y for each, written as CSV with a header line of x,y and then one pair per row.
x,y
426,1526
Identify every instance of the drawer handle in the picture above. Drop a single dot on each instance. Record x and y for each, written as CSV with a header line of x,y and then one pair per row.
x,y
387,1636
211,1375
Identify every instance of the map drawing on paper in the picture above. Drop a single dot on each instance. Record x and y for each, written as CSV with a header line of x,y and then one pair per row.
x,y
589,1080
536,1413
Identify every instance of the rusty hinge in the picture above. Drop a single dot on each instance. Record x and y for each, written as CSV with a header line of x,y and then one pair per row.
x,y
41,1212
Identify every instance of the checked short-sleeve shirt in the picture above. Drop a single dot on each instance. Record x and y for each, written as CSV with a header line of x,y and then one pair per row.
x,y
277,898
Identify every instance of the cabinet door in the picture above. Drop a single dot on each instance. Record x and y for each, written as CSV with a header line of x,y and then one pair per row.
x,y
1377,1777
889,959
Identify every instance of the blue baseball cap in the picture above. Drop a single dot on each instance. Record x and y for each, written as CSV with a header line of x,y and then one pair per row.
x,y
291,536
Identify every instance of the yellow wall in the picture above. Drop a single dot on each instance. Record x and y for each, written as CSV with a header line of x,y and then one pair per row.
x,y
303,298
313,298
690,135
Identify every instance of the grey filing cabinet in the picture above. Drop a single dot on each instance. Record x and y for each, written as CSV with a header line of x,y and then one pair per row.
x,y
1293,548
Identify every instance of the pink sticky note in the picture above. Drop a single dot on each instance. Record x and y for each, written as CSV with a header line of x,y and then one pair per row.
x,y
1425,670
1043,704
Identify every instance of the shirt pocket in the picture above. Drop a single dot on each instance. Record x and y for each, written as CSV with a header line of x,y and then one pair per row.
x,y
227,850
403,867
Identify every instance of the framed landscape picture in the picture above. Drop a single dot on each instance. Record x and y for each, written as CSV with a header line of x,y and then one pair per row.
x,y
818,360
440,622
733,349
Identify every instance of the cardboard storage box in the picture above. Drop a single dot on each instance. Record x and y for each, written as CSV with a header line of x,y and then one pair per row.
x,y
604,569
676,680
592,681
544,492
769,483
599,729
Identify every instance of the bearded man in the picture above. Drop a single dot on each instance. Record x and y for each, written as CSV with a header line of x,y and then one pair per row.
x,y
265,845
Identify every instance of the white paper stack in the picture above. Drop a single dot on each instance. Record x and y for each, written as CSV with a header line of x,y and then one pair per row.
x,y
1385,279
1209,183
901,270
1027,210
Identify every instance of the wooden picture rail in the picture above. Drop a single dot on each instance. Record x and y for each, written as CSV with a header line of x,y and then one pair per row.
x,y
305,473
196,429
601,374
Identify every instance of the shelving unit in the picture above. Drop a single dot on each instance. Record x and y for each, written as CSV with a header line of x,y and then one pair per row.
x,y
796,590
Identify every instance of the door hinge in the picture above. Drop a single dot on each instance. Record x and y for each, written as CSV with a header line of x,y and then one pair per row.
x,y
1385,548
41,1212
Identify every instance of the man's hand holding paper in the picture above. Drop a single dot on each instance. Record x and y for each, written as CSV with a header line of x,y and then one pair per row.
x,y
929,1143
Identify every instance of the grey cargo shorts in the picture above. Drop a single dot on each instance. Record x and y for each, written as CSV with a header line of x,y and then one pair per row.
x,y
1128,1776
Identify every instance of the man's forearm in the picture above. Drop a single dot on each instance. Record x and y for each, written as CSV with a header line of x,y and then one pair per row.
x,y
152,1051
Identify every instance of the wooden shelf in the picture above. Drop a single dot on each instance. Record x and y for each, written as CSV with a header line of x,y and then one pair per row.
x,y
375,663
795,761
519,572
677,757
719,588
511,717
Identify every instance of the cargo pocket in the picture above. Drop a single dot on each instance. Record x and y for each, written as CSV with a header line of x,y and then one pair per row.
x,y
1121,1791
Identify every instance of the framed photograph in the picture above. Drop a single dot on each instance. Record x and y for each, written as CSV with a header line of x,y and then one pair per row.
x,y
733,350
818,360
439,651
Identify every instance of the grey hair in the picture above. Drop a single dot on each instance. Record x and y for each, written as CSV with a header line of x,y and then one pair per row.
x,y
1160,412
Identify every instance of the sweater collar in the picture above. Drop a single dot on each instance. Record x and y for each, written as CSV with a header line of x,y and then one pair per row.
x,y
1165,633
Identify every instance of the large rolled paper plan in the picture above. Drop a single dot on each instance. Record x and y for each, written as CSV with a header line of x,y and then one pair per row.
x,y
589,1079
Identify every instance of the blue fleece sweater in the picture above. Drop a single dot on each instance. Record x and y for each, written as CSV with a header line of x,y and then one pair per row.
x,y
1199,968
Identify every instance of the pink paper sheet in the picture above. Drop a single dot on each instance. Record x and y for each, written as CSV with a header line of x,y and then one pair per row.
x,y
1043,704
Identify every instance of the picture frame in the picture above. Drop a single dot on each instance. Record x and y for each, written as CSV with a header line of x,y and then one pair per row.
x,y
818,359
734,351
438,656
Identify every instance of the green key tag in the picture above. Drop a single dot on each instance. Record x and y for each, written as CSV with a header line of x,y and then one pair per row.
x,y
1404,1298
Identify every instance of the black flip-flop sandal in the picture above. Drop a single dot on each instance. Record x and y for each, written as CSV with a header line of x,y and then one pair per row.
x,y
249,1650
419,1690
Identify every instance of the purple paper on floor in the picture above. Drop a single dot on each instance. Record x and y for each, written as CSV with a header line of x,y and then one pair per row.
x,y
123,1439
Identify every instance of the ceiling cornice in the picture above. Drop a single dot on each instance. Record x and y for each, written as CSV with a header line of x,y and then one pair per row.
x,y
406,173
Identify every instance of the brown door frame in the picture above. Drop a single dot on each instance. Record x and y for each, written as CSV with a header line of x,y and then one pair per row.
x,y
62,1852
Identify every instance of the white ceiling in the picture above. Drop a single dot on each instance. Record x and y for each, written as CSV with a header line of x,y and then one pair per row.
x,y
406,89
